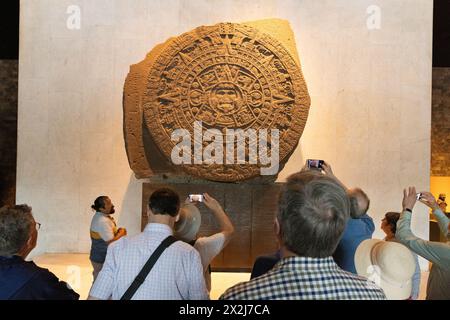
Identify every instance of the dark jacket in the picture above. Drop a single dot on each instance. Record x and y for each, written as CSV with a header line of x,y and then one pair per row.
x,y
22,280
264,264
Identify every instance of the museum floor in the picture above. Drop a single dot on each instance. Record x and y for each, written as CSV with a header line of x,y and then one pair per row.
x,y
77,271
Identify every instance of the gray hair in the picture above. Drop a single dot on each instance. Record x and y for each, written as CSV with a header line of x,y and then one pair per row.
x,y
313,210
359,203
16,223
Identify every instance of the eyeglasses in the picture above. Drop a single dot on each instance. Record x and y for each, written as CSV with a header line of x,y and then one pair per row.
x,y
38,226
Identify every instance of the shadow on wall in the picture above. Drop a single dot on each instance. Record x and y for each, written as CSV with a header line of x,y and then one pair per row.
x,y
295,163
131,206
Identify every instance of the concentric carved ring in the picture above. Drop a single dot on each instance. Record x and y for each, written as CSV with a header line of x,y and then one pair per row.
x,y
228,76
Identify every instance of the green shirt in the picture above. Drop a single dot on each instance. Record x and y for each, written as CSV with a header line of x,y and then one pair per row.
x,y
443,221
436,252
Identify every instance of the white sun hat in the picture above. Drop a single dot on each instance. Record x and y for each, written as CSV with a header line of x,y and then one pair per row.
x,y
188,224
389,264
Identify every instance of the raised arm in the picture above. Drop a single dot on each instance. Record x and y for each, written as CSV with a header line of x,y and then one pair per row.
x,y
443,221
226,226
436,252
326,168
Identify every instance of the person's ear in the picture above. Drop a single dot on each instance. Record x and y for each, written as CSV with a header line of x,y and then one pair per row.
x,y
149,211
31,242
29,245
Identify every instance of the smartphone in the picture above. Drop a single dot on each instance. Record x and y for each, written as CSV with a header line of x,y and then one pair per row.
x,y
196,198
315,164
418,196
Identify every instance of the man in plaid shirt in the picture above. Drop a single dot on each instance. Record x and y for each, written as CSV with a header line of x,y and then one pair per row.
x,y
312,214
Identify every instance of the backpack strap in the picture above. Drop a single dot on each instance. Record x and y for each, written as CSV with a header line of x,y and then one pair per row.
x,y
140,278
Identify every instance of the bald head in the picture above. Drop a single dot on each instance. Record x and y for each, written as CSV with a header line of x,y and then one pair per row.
x,y
359,202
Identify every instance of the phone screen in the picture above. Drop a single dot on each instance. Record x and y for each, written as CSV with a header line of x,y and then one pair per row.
x,y
196,198
316,164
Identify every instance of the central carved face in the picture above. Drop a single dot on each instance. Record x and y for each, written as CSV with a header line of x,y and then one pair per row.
x,y
226,97
225,77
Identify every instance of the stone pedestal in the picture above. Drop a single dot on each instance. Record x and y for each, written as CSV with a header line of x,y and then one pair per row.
x,y
251,208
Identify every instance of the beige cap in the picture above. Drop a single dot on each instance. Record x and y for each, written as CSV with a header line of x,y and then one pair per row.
x,y
389,264
188,224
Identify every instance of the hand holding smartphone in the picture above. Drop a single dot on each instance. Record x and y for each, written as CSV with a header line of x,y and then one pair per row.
x,y
195,198
315,164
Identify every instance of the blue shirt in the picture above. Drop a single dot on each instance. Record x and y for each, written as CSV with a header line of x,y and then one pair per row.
x,y
22,280
356,231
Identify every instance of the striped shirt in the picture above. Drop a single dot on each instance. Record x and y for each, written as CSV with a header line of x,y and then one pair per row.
x,y
302,278
177,275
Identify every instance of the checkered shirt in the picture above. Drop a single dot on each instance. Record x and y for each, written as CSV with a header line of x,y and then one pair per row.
x,y
302,278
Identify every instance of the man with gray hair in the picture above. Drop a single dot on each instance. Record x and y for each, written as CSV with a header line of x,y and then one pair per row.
x,y
359,227
313,210
19,279
209,247
359,203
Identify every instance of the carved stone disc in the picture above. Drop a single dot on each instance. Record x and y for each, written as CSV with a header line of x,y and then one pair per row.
x,y
228,76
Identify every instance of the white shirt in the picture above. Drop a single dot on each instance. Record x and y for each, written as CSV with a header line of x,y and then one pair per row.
x,y
209,248
177,275
103,225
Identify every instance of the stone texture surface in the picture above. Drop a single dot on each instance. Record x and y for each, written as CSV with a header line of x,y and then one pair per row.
x,y
8,130
228,76
440,123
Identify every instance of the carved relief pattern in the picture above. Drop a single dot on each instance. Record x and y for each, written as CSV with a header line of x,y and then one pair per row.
x,y
227,76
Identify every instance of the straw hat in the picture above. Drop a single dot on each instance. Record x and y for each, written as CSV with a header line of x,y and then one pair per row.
x,y
188,224
389,264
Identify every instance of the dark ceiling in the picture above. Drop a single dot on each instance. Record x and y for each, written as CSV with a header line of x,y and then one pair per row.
x,y
441,33
9,31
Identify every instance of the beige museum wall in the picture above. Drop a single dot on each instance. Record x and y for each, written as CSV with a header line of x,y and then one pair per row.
x,y
370,91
